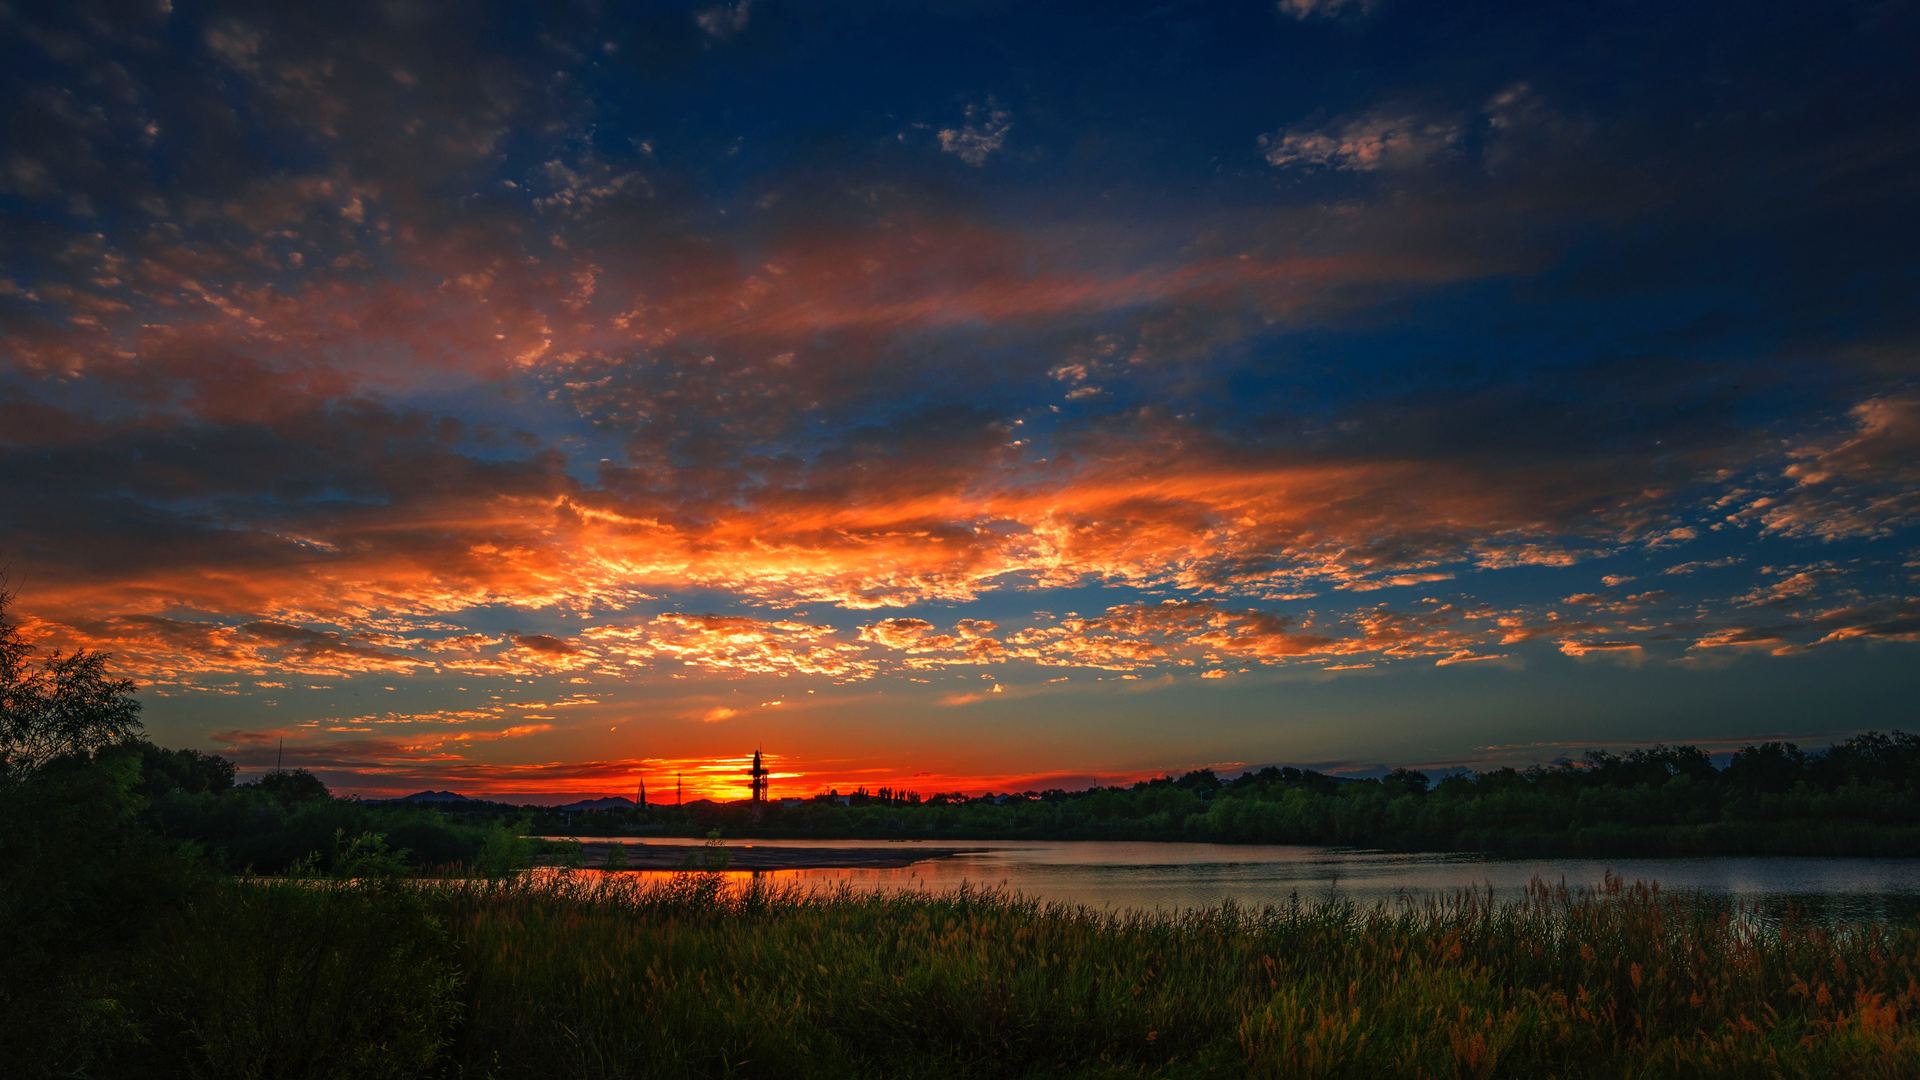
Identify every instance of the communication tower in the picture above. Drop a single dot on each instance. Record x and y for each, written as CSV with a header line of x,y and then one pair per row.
x,y
757,779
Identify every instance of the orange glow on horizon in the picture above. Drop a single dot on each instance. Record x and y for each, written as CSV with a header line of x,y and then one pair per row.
x,y
717,779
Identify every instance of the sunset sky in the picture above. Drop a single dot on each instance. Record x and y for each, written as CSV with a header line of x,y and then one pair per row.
x,y
521,400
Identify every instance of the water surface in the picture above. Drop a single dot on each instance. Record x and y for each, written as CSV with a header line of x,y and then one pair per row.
x,y
1171,876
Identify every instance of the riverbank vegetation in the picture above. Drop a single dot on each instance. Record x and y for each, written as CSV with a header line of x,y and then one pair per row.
x,y
1859,797
571,976
129,954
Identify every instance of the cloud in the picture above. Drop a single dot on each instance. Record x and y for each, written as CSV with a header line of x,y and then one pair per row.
x,y
1888,619
902,633
427,520
970,641
1393,581
1514,131
1630,651
166,649
545,643
722,21
936,514
1126,638
1863,484
732,644
1771,639
980,136
1465,657
1369,143
1702,564
1306,10
1799,584
1884,620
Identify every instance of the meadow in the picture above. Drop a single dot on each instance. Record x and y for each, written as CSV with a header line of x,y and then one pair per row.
x,y
568,976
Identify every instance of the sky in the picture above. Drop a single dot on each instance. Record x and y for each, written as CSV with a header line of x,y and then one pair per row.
x,y
528,400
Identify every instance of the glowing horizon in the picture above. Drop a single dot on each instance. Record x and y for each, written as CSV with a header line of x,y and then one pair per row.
x,y
963,400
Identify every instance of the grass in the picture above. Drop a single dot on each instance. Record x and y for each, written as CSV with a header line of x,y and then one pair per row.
x,y
570,977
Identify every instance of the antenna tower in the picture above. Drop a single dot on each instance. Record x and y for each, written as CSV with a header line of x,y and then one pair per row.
x,y
757,778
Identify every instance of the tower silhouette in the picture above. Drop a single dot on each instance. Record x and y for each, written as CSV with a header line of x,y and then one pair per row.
x,y
757,779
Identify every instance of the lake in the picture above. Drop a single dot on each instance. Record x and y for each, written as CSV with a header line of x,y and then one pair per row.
x,y
1170,876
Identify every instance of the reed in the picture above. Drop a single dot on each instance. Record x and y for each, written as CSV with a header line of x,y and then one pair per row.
x,y
584,975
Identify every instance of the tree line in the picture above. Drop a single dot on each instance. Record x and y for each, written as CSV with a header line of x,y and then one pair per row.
x,y
1860,796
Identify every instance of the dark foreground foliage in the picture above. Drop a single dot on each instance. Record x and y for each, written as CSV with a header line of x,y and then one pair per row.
x,y
285,818
574,976
128,955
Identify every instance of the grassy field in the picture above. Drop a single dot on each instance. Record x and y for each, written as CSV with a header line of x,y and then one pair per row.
x,y
564,977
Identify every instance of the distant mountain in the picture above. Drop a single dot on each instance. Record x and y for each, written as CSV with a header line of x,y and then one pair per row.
x,y
610,802
433,797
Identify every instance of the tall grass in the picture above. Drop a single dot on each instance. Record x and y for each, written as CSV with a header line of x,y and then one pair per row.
x,y
573,976
286,979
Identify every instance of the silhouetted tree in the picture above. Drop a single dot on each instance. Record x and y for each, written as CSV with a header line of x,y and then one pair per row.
x,y
64,705
1405,782
183,770
1770,767
1891,758
1201,782
292,786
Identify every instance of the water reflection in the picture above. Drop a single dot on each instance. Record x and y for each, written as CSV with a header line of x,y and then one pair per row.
x,y
1161,876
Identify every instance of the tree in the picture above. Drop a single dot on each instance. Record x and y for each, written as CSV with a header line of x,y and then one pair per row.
x,y
65,705
1405,782
292,786
1771,767
189,771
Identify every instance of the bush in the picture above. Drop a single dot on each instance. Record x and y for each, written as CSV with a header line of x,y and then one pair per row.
x,y
503,850
81,884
